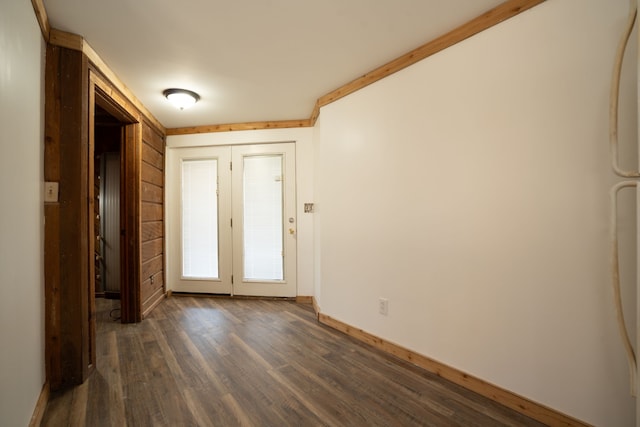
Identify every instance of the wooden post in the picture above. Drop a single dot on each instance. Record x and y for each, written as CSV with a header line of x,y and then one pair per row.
x,y
66,239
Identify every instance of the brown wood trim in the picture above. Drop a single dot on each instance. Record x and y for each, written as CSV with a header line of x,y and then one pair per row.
x,y
315,113
500,13
509,399
316,307
86,213
95,59
131,247
41,406
112,100
159,295
65,39
109,98
91,279
302,299
494,16
282,124
76,42
42,17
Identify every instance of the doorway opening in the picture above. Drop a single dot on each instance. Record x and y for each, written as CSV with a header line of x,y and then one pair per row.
x,y
113,185
108,139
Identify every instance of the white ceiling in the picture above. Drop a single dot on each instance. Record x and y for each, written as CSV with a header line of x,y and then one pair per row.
x,y
252,60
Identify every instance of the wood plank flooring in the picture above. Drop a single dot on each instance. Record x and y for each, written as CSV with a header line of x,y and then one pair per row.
x,y
232,362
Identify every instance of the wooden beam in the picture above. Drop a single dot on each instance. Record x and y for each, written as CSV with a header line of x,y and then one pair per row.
x,y
496,15
507,398
240,126
66,244
42,17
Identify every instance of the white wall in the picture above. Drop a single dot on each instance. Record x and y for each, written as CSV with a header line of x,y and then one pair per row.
x,y
303,138
471,190
21,215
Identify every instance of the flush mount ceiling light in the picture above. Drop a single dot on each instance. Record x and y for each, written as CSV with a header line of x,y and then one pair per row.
x,y
181,98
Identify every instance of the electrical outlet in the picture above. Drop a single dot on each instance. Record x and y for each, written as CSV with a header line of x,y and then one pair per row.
x,y
383,306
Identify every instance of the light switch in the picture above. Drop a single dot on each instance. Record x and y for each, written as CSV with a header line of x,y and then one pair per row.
x,y
51,192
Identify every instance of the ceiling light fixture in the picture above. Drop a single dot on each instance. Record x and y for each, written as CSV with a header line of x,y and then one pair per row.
x,y
181,98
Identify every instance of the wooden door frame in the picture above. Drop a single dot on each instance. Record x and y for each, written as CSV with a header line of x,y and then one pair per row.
x,y
72,87
104,95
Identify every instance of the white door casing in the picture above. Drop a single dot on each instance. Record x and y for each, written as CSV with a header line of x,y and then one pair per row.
x,y
232,277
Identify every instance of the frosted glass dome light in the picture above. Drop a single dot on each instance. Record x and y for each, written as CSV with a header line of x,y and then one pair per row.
x,y
181,98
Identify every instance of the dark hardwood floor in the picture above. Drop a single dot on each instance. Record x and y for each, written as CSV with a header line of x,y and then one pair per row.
x,y
232,362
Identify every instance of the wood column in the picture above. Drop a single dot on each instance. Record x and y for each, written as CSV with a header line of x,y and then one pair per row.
x,y
66,221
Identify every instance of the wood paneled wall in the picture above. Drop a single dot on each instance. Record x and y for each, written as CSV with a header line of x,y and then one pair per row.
x,y
152,287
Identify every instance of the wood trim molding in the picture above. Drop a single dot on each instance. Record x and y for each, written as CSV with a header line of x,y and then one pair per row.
x,y
42,17
97,61
64,39
302,299
157,302
509,399
240,126
488,19
113,101
315,113
316,307
118,105
76,42
500,13
41,406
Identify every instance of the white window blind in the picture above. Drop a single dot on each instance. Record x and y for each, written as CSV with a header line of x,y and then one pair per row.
x,y
263,210
200,219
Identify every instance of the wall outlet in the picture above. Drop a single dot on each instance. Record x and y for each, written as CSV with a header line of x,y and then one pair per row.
x,y
383,306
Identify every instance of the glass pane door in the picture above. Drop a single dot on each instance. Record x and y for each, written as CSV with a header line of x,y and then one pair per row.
x,y
264,220
200,219
263,217
231,220
199,257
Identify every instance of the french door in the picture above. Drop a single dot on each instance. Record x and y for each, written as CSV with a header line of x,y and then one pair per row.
x,y
232,223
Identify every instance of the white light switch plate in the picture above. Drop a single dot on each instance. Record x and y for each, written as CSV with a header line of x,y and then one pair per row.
x,y
50,191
